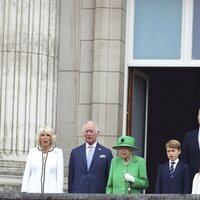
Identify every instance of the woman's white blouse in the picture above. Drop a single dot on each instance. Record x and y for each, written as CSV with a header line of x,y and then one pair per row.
x,y
196,184
39,177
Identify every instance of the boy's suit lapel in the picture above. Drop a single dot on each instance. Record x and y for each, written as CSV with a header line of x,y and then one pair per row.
x,y
177,169
167,170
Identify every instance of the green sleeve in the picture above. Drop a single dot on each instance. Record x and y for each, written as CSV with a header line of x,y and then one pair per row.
x,y
141,182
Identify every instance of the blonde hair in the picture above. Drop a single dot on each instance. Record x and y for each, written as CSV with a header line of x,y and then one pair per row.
x,y
93,123
47,130
173,144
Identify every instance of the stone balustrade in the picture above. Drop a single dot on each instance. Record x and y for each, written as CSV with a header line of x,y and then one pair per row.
x,y
66,196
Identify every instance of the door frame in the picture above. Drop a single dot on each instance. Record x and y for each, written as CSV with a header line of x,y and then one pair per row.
x,y
130,110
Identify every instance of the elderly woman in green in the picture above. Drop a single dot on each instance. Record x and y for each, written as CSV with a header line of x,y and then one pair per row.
x,y
128,174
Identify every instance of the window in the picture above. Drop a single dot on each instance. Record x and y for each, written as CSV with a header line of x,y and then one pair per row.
x,y
157,29
196,31
163,33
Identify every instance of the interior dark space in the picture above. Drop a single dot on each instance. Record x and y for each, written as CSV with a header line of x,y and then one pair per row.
x,y
173,103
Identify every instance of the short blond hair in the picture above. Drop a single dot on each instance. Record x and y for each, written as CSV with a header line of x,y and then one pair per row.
x,y
173,144
47,130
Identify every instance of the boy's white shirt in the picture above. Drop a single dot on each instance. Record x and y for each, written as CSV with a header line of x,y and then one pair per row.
x,y
175,164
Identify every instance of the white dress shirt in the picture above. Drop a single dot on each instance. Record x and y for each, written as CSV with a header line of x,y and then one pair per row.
x,y
175,163
93,148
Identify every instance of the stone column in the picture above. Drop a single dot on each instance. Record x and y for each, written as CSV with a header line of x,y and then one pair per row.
x,y
108,70
29,34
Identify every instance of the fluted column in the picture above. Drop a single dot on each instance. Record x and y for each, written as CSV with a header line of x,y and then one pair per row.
x,y
29,33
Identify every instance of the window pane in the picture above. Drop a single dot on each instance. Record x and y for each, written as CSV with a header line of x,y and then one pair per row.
x,y
157,29
196,31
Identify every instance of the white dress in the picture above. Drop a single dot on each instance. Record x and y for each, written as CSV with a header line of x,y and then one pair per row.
x,y
196,184
43,172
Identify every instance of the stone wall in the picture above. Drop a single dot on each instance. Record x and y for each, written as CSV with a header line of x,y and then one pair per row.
x,y
11,175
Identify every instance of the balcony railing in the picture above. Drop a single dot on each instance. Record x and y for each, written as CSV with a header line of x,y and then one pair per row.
x,y
66,196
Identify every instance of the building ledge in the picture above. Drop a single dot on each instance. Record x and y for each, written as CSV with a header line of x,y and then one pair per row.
x,y
66,196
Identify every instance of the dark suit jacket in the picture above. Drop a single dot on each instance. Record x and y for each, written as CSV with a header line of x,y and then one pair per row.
x,y
191,153
179,184
94,180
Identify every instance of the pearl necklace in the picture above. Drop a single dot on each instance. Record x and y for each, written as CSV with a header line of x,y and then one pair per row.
x,y
127,162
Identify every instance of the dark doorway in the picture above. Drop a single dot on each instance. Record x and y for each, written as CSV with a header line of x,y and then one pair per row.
x,y
174,99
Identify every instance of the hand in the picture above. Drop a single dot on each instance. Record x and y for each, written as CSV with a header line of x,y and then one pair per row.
x,y
129,177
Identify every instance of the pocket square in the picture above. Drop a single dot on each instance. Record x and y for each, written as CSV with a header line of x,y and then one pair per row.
x,y
102,156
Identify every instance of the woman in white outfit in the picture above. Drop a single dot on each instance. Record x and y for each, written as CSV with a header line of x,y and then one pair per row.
x,y
196,184
44,166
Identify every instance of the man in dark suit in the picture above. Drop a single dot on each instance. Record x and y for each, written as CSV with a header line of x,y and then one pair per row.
x,y
191,151
172,176
85,177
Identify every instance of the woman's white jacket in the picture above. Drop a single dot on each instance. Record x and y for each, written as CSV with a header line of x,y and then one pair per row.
x,y
196,184
43,172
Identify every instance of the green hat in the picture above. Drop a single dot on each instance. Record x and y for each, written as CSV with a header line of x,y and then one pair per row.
x,y
125,141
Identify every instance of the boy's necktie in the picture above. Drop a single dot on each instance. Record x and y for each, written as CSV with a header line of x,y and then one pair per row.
x,y
90,156
171,169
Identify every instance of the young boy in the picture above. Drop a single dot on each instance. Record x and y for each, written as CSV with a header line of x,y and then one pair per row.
x,y
172,176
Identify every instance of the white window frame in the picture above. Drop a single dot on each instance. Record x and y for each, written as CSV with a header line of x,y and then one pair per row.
x,y
186,40
186,48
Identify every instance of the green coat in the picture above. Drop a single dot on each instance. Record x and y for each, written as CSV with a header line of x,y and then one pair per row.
x,y
118,185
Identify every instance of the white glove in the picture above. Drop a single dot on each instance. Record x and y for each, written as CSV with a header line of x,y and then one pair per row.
x,y
129,177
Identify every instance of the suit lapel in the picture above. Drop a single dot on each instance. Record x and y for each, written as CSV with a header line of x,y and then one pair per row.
x,y
96,154
83,155
167,170
196,141
177,169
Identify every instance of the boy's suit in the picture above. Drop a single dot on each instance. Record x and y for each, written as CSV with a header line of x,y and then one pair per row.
x,y
178,184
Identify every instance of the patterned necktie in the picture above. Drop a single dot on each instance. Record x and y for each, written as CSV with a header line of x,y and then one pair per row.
x,y
171,169
90,156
